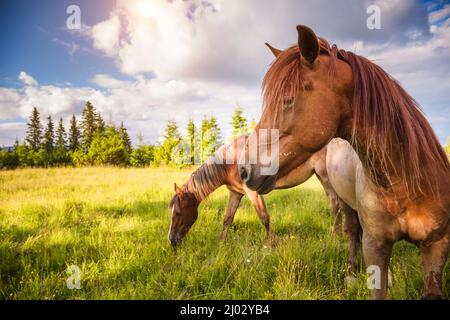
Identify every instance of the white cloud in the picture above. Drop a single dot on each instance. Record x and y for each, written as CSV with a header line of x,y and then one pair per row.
x,y
422,67
106,35
10,131
9,103
27,79
108,82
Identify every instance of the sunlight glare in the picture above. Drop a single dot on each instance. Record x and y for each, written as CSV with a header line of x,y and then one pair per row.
x,y
146,8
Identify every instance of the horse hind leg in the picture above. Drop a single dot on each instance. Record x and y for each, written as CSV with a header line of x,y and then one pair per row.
x,y
263,214
233,203
434,257
261,209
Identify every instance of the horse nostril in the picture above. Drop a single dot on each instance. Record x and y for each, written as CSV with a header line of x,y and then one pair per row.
x,y
243,173
173,242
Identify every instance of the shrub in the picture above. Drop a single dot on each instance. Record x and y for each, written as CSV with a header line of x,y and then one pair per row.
x,y
79,158
8,160
108,148
142,156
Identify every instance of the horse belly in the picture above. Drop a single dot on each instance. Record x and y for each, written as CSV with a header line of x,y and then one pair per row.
x,y
341,170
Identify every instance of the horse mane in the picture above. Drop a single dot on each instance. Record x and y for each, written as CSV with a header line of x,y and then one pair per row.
x,y
207,178
392,123
394,128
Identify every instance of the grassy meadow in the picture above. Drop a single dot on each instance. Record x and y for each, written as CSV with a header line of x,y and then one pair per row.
x,y
112,223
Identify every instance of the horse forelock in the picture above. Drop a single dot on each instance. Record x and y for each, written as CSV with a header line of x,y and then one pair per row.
x,y
284,77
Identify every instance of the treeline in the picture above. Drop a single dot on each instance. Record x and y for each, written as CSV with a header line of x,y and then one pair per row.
x,y
93,142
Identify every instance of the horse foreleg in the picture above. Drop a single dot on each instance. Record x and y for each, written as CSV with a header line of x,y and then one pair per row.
x,y
434,257
233,203
377,254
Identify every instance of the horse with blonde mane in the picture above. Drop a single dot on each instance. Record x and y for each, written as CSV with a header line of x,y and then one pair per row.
x,y
314,92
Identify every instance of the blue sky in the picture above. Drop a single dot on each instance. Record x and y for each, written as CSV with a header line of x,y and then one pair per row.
x,y
146,61
29,32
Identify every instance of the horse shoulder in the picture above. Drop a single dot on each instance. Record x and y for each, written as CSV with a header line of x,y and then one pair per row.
x,y
232,180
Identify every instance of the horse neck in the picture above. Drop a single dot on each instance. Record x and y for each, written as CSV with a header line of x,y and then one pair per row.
x,y
206,179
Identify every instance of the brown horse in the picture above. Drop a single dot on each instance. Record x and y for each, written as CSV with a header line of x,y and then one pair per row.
x,y
213,174
314,92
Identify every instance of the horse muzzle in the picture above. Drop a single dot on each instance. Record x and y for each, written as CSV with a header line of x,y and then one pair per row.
x,y
174,240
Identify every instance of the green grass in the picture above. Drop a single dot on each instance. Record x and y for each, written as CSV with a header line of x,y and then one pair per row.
x,y
113,224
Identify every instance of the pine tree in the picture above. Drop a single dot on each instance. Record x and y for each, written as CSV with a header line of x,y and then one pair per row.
x,y
34,132
99,123
49,136
74,135
16,143
126,138
88,124
210,136
239,123
60,155
191,140
61,136
203,139
215,138
172,137
171,131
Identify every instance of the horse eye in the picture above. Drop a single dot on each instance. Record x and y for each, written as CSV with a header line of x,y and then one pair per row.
x,y
178,214
288,102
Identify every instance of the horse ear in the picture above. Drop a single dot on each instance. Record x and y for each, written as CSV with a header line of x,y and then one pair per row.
x,y
178,190
275,51
308,43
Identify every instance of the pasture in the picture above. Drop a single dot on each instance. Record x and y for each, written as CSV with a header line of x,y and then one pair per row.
x,y
113,224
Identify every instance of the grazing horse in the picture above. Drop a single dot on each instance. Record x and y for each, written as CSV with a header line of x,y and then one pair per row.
x,y
214,173
313,93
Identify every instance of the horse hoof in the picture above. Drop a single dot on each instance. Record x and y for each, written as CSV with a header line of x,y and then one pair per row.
x,y
432,296
272,239
350,281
